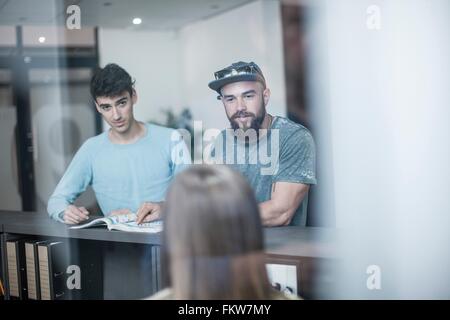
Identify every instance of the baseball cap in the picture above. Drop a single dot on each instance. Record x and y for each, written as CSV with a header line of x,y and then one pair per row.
x,y
239,71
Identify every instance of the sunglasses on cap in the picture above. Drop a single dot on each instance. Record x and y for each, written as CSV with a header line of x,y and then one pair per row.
x,y
235,71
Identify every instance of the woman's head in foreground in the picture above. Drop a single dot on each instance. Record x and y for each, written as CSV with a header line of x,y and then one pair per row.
x,y
213,241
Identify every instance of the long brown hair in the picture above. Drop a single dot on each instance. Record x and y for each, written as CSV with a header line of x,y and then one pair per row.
x,y
213,243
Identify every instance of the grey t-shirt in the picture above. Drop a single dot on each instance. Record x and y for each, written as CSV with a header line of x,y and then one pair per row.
x,y
285,154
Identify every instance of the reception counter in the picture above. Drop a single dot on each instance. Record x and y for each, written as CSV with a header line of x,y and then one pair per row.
x,y
129,266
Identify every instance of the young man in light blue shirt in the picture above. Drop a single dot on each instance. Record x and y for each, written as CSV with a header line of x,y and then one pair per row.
x,y
129,166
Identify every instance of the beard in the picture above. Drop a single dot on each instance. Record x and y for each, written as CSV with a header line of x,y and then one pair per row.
x,y
256,122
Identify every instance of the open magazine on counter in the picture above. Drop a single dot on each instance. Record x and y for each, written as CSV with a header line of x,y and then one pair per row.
x,y
125,222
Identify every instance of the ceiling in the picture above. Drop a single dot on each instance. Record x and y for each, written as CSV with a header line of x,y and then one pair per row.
x,y
155,14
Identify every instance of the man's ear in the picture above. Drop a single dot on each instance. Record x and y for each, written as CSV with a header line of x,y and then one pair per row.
x,y
97,107
134,97
266,96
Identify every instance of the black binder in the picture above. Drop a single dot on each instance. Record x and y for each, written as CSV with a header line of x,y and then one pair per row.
x,y
32,267
53,259
44,269
16,269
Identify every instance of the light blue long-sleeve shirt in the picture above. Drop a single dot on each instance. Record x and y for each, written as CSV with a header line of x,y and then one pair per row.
x,y
123,176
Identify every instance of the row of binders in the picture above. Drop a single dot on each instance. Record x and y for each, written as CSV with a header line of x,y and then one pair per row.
x,y
36,269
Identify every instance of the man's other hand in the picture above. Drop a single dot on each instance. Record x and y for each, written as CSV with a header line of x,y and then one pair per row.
x,y
75,215
149,211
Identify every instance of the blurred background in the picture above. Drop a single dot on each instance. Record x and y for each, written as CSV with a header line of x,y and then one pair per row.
x,y
370,79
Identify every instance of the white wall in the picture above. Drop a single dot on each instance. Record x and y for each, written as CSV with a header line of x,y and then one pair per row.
x,y
384,94
152,59
62,120
248,33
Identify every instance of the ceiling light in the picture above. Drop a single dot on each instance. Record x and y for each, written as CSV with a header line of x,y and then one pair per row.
x,y
137,21
41,39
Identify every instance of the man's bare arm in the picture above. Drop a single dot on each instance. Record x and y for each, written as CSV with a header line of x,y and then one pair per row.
x,y
285,199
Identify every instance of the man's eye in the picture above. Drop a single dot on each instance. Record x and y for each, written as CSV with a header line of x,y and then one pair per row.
x,y
249,96
122,103
229,99
106,108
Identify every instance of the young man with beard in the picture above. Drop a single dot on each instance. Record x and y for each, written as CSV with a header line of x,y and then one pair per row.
x,y
276,155
128,166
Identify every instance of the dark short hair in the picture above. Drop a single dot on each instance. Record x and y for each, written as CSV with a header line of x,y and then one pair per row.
x,y
110,81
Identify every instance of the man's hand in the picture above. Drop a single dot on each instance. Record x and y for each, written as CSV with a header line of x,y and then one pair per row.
x,y
149,211
75,215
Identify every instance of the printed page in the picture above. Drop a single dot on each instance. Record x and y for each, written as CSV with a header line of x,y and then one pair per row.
x,y
123,218
149,227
